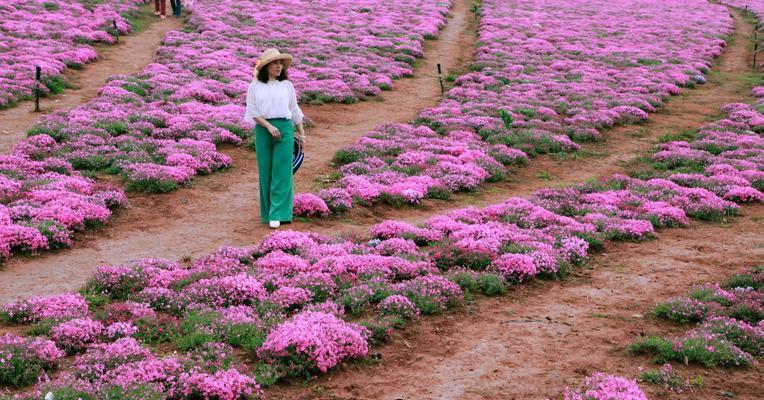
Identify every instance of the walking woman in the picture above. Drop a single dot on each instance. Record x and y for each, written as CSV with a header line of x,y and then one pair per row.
x,y
272,105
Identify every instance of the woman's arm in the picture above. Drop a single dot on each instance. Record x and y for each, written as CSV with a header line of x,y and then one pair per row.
x,y
297,115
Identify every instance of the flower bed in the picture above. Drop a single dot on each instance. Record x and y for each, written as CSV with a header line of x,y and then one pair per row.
x,y
601,386
42,203
534,87
728,330
159,129
291,298
54,35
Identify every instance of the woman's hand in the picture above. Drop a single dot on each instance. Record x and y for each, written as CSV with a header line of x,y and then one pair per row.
x,y
275,133
301,133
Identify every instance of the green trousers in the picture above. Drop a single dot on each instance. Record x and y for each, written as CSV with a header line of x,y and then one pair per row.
x,y
274,163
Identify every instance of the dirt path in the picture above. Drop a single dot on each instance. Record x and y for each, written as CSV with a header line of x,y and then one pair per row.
x,y
222,208
547,335
130,56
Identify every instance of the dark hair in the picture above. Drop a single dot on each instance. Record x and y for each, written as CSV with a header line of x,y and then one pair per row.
x,y
262,74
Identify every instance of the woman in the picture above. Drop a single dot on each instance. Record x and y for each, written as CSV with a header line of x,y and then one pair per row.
x,y
272,105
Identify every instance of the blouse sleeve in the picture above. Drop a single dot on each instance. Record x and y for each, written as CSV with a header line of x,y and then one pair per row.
x,y
294,108
251,112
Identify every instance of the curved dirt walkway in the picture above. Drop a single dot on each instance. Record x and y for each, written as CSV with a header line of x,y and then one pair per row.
x,y
222,209
130,56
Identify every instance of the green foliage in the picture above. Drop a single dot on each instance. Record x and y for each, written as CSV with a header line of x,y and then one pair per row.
x,y
139,392
380,329
437,192
492,284
746,279
670,379
56,83
161,329
41,328
345,156
709,353
506,118
150,186
114,128
19,370
466,280
248,337
267,374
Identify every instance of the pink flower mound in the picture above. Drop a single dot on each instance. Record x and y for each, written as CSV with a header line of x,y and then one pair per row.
x,y
606,387
321,340
102,358
287,297
744,194
241,289
32,349
278,262
76,334
227,384
515,267
309,205
398,305
38,308
336,199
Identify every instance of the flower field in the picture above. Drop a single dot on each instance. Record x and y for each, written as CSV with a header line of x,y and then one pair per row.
x,y
533,88
303,302
54,35
238,322
159,129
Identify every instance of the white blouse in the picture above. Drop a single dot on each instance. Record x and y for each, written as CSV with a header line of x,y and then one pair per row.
x,y
275,99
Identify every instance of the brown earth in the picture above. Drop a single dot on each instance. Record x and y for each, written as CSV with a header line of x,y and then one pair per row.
x,y
130,56
530,344
223,208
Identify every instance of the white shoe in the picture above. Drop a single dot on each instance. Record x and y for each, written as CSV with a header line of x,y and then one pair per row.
x,y
274,224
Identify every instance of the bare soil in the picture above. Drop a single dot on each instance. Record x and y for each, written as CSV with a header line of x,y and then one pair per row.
x,y
130,56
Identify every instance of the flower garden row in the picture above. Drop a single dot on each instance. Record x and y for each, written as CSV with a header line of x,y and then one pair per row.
x,y
160,127
545,76
302,303
725,157
729,330
54,35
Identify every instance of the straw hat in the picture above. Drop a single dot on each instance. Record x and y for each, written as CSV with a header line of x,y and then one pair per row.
x,y
271,55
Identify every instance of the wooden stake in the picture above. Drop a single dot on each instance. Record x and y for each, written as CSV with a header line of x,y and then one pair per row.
x,y
440,78
37,76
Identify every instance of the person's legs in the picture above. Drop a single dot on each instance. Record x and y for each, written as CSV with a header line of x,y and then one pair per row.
x,y
263,151
163,8
282,180
156,7
177,7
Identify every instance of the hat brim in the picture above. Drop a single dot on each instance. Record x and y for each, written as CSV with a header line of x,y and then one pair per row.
x,y
287,58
